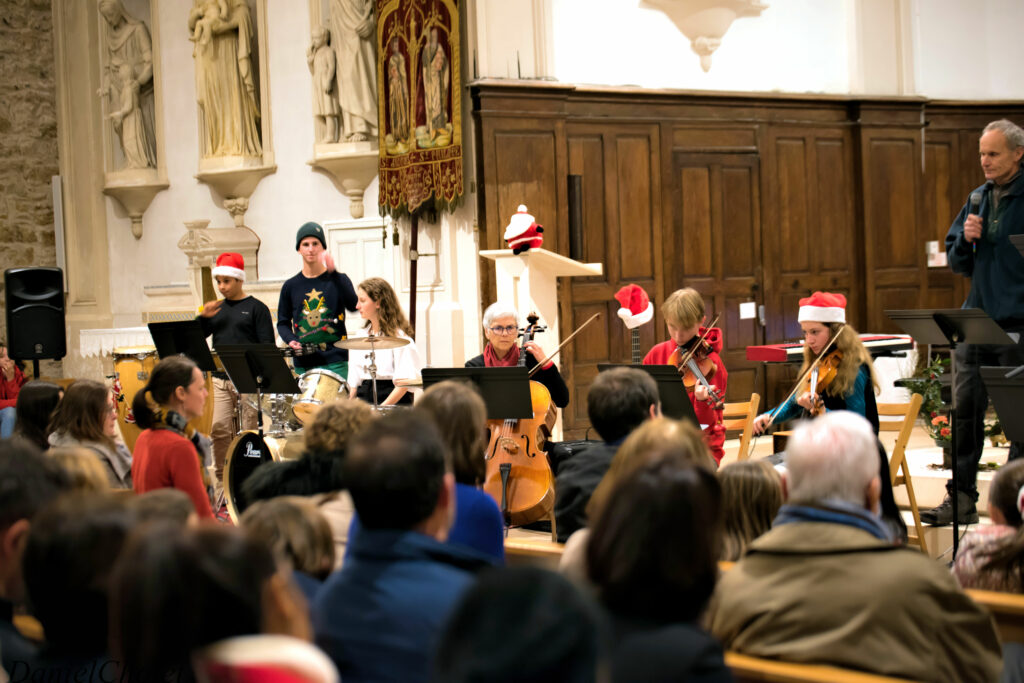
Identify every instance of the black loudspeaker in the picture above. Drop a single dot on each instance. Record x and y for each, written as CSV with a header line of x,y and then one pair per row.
x,y
35,313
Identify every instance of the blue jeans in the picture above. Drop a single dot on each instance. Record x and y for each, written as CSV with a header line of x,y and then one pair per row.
x,y
6,422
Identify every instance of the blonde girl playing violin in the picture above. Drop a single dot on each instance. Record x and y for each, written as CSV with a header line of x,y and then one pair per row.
x,y
821,316
684,318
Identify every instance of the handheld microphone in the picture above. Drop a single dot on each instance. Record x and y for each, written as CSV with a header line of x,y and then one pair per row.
x,y
975,208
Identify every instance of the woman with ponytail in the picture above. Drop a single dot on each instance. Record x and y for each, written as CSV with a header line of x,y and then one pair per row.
x,y
992,557
168,453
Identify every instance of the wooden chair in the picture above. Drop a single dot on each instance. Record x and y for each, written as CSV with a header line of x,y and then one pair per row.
x,y
747,669
536,548
898,454
1007,609
740,416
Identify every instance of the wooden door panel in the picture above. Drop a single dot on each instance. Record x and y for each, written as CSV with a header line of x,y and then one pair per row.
x,y
635,207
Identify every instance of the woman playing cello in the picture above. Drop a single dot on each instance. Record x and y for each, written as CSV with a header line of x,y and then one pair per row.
x,y
823,316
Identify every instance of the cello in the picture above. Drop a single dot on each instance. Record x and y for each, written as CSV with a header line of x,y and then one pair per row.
x,y
518,475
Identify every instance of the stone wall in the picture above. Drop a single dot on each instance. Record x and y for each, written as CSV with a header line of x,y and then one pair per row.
x,y
28,137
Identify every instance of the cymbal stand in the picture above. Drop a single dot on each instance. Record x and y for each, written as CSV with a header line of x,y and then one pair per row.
x,y
372,367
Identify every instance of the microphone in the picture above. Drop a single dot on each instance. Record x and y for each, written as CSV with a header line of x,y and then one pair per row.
x,y
975,208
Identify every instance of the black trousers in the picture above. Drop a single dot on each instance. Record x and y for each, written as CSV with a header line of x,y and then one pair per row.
x,y
364,392
971,403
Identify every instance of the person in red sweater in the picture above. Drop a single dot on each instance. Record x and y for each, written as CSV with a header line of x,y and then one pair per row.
x,y
684,318
168,454
11,380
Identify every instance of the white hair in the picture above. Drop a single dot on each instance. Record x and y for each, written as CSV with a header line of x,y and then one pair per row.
x,y
499,309
833,457
1010,130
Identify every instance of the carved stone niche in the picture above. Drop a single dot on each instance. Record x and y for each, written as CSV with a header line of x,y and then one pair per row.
x,y
130,99
233,99
705,22
202,245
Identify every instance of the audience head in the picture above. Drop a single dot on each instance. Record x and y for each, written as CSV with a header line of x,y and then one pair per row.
x,y
170,506
295,530
176,384
398,474
684,308
653,549
335,424
178,590
461,417
283,478
658,439
1006,495
86,413
620,400
751,496
35,406
833,458
28,482
522,624
83,467
69,559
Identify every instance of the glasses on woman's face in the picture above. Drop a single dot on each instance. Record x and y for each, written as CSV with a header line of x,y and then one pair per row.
x,y
507,329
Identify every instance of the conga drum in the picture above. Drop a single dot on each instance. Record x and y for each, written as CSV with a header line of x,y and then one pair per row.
x,y
247,452
132,368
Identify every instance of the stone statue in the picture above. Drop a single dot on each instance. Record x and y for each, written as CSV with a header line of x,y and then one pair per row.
x,y
398,95
128,83
322,64
436,80
225,81
353,31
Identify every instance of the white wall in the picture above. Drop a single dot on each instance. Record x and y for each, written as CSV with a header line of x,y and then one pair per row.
x,y
282,201
966,49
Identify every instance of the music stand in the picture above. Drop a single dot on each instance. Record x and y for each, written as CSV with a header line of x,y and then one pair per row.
x,y
951,326
257,369
506,391
1018,241
1007,393
675,402
185,337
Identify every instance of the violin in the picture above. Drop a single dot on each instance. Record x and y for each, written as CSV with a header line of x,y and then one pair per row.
x,y
693,361
518,475
820,378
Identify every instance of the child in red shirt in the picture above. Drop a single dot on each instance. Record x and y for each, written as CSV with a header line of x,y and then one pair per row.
x,y
684,318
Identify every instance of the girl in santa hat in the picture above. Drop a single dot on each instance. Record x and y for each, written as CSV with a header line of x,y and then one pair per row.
x,y
821,316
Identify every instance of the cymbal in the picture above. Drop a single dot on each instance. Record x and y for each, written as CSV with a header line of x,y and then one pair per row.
x,y
409,382
373,343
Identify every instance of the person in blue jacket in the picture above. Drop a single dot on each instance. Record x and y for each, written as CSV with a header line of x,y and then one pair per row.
x,y
978,246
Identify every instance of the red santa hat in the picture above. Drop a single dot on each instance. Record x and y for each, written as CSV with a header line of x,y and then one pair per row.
x,y
636,307
823,307
230,264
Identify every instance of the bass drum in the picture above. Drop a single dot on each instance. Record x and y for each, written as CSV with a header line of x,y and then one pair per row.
x,y
247,452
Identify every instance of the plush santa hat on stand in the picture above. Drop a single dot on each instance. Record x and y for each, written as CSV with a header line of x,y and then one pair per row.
x,y
823,307
230,264
636,307
523,232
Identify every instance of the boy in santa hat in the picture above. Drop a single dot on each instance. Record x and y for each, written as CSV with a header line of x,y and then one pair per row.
x,y
236,319
685,318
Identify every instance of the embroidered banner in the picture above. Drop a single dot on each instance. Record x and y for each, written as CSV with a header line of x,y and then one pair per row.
x,y
420,113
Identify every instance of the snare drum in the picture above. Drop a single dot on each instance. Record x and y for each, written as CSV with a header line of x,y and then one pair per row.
x,y
319,387
247,452
132,367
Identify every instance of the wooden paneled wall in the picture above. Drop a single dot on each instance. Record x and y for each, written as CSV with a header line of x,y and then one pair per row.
x,y
757,198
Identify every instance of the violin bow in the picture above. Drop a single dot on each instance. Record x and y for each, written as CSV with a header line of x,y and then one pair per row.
x,y
796,387
568,339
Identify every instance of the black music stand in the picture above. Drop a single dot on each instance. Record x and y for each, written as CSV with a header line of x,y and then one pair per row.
x,y
258,369
1006,389
186,338
675,403
1018,241
506,391
951,326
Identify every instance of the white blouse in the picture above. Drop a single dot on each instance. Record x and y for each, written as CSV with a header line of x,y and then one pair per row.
x,y
401,363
